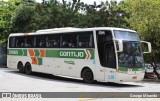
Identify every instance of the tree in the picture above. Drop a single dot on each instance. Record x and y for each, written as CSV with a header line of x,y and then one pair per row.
x,y
106,14
6,11
22,20
144,18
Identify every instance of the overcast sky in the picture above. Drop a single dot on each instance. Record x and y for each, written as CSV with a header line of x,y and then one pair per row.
x,y
86,1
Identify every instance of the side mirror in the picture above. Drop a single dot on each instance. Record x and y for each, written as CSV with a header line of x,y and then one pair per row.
x,y
119,45
149,46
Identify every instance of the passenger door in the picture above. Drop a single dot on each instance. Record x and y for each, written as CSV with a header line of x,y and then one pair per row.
x,y
110,62
106,53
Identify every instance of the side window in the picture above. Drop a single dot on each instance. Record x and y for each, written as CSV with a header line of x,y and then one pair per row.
x,y
24,42
41,41
85,40
11,42
19,42
53,41
28,41
69,40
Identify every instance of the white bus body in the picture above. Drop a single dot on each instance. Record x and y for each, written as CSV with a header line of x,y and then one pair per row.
x,y
104,54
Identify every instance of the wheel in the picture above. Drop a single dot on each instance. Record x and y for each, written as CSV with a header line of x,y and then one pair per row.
x,y
87,76
20,67
28,68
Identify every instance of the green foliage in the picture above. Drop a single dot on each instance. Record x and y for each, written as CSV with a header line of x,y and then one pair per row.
x,y
28,16
23,18
107,14
6,12
145,18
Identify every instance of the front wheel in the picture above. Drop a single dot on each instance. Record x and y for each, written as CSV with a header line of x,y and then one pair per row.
x,y
87,76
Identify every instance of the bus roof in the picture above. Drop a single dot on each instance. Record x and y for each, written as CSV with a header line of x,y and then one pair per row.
x,y
68,29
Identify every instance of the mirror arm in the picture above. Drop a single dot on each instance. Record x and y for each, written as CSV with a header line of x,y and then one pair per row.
x,y
120,45
149,46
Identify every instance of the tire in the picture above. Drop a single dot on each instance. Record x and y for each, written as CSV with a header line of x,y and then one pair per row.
x,y
87,76
20,67
28,68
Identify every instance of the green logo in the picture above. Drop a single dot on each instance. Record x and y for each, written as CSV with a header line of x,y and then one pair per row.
x,y
69,62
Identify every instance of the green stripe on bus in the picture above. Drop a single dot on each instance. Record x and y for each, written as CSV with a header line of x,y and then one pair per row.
x,y
92,54
24,52
76,54
36,52
39,61
19,52
52,53
127,69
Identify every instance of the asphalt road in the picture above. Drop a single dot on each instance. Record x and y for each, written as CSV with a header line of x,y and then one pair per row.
x,y
13,81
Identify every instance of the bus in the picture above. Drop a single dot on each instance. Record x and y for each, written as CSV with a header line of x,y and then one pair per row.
x,y
104,54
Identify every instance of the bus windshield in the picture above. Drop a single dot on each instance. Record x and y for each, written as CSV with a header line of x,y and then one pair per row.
x,y
132,56
126,35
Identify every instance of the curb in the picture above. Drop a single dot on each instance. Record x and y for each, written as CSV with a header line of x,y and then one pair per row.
x,y
151,80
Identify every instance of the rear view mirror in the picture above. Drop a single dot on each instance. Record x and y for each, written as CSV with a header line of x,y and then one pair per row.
x,y
148,46
119,45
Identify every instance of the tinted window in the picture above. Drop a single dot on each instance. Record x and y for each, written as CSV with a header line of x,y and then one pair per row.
x,y
53,41
85,40
19,42
23,42
69,40
11,42
29,41
64,40
41,41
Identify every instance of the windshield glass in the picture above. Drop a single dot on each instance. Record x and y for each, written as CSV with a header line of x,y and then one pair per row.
x,y
132,56
126,35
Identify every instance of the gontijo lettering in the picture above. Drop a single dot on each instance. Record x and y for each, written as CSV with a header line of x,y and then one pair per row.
x,y
72,54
